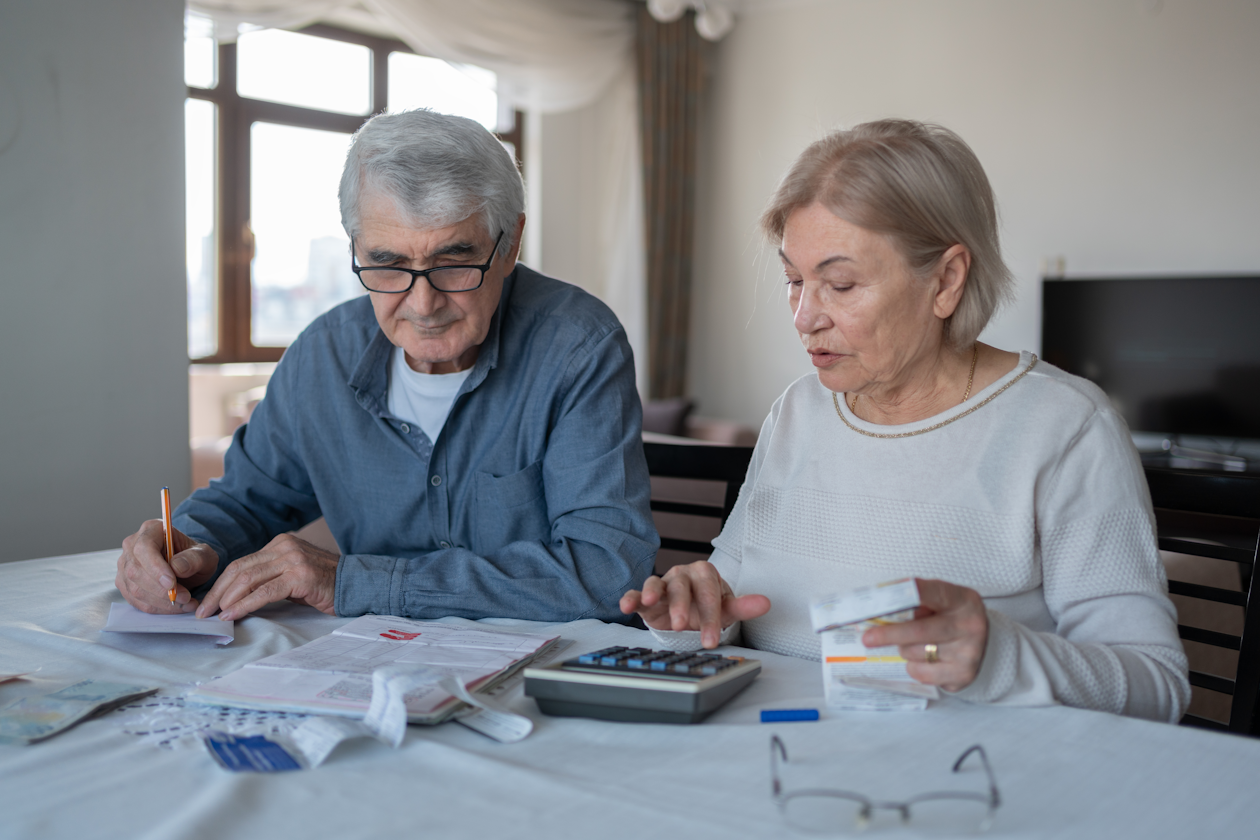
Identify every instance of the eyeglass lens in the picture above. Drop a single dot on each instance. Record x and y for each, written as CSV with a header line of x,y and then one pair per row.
x,y
456,278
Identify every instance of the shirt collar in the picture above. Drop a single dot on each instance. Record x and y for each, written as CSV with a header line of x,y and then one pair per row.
x,y
370,379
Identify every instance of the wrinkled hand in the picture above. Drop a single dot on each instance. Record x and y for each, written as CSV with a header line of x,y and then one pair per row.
x,y
287,568
145,577
952,618
692,597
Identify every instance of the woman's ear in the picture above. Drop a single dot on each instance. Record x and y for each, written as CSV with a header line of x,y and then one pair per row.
x,y
951,278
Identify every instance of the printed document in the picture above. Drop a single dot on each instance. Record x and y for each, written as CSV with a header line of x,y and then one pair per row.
x,y
333,674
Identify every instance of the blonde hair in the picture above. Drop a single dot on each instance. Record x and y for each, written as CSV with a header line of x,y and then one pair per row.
x,y
920,185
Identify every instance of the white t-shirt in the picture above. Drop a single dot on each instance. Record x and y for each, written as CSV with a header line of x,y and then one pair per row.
x,y
422,398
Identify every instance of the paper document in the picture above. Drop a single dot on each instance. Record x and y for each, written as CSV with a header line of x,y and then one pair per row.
x,y
333,674
124,618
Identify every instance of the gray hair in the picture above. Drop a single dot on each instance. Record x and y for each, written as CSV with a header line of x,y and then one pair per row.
x,y
439,169
919,184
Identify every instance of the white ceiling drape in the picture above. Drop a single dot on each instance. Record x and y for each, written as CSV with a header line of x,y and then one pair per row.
x,y
550,56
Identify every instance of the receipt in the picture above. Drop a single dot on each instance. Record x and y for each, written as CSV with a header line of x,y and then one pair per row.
x,y
387,715
488,717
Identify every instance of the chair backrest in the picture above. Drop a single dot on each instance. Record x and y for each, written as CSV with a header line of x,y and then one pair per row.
x,y
1215,515
694,488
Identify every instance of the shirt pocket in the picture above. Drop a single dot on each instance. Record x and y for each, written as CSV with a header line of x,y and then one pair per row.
x,y
511,508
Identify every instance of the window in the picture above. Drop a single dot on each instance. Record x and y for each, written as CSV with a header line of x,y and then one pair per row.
x,y
267,125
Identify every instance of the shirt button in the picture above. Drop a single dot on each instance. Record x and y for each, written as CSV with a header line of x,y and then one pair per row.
x,y
406,429
436,480
444,544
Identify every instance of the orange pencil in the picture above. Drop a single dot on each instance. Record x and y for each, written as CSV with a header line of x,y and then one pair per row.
x,y
166,527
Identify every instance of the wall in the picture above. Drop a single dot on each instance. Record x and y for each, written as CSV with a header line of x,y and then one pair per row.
x,y
93,360
1121,135
585,190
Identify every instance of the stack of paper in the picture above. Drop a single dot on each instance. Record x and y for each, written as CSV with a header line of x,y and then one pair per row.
x,y
124,618
333,674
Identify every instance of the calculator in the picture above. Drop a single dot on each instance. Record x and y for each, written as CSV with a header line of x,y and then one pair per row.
x,y
639,684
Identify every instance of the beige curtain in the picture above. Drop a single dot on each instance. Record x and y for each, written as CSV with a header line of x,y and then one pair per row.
x,y
669,65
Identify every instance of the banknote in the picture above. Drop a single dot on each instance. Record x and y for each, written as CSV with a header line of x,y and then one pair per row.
x,y
36,718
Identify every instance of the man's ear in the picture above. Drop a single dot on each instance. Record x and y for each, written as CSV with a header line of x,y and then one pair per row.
x,y
517,238
951,278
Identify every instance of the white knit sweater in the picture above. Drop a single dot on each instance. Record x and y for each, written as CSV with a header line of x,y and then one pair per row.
x,y
1036,500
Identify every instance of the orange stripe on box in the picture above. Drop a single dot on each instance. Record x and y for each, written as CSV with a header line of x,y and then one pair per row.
x,y
846,658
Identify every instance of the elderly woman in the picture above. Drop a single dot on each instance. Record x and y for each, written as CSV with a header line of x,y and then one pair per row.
x,y
1010,488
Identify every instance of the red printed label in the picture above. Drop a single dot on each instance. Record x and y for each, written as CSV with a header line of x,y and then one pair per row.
x,y
399,635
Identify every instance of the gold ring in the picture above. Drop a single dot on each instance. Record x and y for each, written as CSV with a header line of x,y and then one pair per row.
x,y
929,651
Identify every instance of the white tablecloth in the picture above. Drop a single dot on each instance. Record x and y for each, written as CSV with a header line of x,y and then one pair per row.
x,y
1062,772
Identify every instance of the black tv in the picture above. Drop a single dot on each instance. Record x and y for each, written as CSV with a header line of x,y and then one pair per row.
x,y
1176,355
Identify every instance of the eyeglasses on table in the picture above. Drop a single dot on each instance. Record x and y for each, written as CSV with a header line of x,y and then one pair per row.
x,y
836,811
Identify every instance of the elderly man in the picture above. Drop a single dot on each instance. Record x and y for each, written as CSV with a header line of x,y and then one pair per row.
x,y
470,429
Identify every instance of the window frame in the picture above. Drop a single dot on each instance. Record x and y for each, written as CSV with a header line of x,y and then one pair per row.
x,y
235,114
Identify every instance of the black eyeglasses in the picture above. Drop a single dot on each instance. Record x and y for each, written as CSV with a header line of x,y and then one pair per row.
x,y
445,278
833,811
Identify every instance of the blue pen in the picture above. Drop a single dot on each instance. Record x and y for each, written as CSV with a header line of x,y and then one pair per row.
x,y
787,715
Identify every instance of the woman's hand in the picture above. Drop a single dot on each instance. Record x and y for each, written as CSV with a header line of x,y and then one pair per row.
x,y
950,617
692,597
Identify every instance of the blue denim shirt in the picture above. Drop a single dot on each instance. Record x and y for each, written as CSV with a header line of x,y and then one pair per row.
x,y
532,503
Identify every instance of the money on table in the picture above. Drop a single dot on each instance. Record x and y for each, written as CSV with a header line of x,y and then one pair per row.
x,y
33,719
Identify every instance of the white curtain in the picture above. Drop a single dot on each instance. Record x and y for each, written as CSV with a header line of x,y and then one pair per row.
x,y
550,56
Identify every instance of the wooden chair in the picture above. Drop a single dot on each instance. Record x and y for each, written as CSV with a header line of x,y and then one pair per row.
x,y
694,488
1213,517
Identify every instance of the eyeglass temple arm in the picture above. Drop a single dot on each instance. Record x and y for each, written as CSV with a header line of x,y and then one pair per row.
x,y
778,752
984,758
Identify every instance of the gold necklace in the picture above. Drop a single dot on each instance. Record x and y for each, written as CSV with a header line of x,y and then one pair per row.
x,y
936,426
975,354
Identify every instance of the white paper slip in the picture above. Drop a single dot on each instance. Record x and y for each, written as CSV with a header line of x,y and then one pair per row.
x,y
846,658
124,618
892,601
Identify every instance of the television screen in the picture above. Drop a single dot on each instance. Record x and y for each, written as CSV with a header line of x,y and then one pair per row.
x,y
1176,355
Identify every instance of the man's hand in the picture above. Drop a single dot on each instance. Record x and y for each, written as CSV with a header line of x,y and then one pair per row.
x,y
952,618
145,578
692,597
287,568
